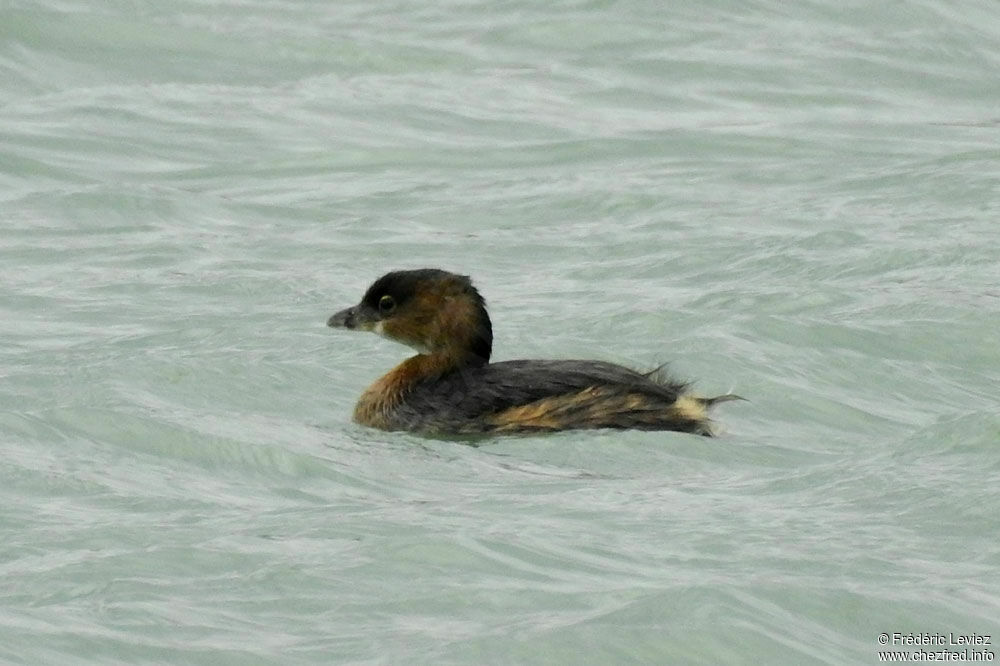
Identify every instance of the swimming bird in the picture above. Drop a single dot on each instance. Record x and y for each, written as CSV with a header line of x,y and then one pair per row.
x,y
450,387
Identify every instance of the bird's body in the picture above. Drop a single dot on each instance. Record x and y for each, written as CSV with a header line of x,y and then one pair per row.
x,y
450,387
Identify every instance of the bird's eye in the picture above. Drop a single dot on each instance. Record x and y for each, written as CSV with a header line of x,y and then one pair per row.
x,y
386,304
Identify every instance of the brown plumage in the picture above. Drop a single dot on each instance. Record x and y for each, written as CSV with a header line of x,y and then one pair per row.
x,y
450,387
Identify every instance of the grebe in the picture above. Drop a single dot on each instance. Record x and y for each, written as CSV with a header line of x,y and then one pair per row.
x,y
451,388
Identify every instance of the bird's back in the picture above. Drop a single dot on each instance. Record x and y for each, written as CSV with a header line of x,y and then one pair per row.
x,y
535,396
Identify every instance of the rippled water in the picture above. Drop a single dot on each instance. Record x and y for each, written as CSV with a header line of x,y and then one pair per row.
x,y
795,202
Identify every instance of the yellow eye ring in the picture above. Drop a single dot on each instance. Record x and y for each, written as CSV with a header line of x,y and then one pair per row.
x,y
386,304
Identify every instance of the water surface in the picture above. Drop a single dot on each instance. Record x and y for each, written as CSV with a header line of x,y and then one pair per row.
x,y
794,203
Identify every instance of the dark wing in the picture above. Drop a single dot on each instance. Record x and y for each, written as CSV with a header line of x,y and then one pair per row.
x,y
467,394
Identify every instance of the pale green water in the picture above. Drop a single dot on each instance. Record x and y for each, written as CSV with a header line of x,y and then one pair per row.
x,y
797,202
